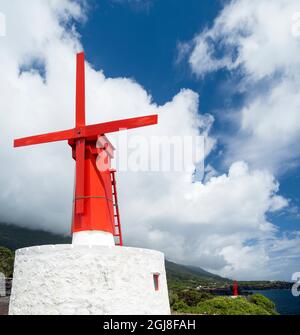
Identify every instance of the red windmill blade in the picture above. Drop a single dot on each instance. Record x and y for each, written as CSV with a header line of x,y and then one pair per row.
x,y
90,132
80,143
80,91
94,194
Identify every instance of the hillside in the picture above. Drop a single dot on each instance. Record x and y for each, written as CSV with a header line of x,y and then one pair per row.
x,y
183,281
14,237
191,276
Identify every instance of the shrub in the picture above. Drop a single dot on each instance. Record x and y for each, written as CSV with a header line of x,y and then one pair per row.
x,y
173,297
229,306
193,297
262,301
181,306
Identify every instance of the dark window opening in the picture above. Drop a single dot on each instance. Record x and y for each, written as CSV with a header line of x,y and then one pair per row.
x,y
156,281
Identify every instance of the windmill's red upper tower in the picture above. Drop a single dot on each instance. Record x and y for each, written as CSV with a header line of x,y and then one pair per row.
x,y
95,201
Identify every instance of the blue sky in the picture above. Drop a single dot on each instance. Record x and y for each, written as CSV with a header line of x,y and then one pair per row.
x,y
227,65
126,38
142,43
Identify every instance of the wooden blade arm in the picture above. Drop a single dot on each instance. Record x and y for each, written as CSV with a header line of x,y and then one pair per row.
x,y
45,138
88,131
113,126
80,91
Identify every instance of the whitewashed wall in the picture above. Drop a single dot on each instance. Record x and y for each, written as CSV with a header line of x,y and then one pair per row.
x,y
70,279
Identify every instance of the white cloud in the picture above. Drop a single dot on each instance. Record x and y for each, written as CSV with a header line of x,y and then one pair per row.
x,y
205,223
254,39
209,224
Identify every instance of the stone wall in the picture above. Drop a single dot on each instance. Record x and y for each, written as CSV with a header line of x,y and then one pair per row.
x,y
68,279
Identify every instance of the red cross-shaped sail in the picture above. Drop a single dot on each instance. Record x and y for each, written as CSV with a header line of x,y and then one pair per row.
x,y
82,133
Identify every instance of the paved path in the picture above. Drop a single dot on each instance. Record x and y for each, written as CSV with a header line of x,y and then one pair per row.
x,y
4,301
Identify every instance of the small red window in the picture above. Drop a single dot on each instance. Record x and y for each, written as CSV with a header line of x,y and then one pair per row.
x,y
156,281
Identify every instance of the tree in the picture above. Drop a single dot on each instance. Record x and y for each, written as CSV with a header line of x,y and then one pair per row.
x,y
6,262
193,297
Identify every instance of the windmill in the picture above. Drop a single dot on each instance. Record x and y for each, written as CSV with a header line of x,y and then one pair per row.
x,y
96,216
91,275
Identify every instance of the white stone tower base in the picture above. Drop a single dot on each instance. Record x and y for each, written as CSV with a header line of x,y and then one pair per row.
x,y
78,279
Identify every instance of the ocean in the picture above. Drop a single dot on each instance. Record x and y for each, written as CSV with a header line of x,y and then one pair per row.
x,y
286,303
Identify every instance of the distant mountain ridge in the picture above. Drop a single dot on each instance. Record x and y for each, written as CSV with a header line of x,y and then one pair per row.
x,y
195,275
15,237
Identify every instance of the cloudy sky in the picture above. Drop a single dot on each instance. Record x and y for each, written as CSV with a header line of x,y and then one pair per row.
x,y
226,70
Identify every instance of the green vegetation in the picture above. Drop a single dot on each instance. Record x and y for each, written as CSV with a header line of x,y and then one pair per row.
x,y
190,287
181,298
6,262
265,303
194,301
264,285
181,276
14,237
228,306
